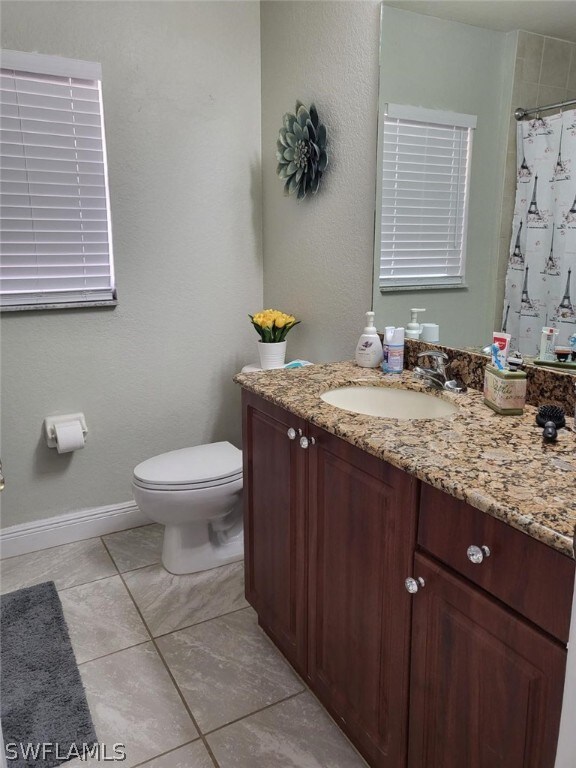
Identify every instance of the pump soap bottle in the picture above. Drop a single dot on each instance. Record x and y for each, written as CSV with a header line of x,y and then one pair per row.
x,y
369,347
414,329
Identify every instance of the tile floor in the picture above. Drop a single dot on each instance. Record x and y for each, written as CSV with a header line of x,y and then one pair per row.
x,y
176,667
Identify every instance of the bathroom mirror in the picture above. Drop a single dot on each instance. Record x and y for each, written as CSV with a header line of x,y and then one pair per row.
x,y
474,59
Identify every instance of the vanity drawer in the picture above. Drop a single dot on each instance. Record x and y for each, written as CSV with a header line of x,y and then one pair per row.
x,y
522,572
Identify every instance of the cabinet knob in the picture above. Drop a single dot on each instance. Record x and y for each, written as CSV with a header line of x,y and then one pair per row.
x,y
306,441
292,433
477,554
413,585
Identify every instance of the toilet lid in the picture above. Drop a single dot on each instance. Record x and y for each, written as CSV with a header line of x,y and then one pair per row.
x,y
203,464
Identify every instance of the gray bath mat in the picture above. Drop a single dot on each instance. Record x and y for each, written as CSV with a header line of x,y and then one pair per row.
x,y
42,699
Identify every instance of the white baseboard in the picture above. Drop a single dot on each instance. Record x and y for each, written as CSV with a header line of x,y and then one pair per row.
x,y
72,526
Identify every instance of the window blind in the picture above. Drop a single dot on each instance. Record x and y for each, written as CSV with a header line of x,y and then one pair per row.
x,y
55,231
425,162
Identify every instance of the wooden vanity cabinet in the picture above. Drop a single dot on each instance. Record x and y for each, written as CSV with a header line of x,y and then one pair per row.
x,y
330,534
488,641
533,579
486,686
468,672
362,524
275,535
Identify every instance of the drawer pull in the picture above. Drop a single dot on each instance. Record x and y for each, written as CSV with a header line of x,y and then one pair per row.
x,y
306,441
476,554
292,434
413,585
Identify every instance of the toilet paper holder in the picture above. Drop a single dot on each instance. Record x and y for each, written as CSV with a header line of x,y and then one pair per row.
x,y
50,423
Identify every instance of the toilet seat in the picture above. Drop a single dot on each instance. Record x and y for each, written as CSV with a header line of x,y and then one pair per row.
x,y
186,486
202,466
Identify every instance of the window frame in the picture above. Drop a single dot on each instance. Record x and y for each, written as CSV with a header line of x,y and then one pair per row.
x,y
431,117
42,64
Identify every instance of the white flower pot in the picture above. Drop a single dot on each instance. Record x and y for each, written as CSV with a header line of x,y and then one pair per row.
x,y
272,355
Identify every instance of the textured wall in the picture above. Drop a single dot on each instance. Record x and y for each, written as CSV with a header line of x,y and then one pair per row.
x,y
318,252
181,85
545,73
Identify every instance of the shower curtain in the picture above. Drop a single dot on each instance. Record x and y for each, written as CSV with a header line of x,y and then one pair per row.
x,y
541,277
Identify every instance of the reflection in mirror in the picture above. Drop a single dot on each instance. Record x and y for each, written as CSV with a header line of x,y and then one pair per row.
x,y
543,258
486,72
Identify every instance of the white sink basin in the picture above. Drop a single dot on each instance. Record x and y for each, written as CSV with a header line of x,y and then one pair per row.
x,y
389,403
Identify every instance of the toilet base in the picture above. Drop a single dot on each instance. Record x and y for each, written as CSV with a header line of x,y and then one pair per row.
x,y
197,547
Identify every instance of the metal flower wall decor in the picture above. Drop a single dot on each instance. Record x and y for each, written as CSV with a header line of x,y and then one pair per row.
x,y
301,151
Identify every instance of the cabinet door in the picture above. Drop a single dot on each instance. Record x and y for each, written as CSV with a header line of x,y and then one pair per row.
x,y
486,687
362,537
274,524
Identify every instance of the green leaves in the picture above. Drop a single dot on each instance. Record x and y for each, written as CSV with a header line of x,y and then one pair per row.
x,y
267,335
271,335
282,332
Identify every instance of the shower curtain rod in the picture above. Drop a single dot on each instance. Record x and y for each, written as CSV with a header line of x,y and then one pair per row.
x,y
521,113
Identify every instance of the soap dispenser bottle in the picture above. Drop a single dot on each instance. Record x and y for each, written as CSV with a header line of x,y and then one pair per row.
x,y
414,329
369,347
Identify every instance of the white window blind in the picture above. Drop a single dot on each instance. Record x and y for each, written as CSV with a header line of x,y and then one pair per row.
x,y
55,232
424,196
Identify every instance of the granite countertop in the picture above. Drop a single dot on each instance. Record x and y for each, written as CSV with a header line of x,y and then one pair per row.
x,y
498,464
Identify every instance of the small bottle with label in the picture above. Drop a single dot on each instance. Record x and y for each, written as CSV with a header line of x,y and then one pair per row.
x,y
387,335
394,341
547,344
572,345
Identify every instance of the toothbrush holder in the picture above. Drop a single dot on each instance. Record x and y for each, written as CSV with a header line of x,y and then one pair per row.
x,y
505,391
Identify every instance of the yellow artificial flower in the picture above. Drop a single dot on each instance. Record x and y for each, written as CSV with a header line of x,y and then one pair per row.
x,y
272,324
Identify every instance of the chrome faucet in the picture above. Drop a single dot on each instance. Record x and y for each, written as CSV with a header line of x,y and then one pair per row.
x,y
436,375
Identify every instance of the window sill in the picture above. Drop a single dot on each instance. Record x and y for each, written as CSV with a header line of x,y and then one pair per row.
x,y
63,305
411,288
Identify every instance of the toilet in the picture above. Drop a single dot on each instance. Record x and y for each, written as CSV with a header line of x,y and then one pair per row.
x,y
196,493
